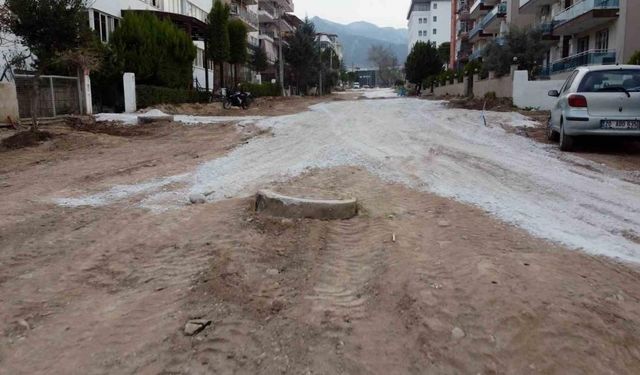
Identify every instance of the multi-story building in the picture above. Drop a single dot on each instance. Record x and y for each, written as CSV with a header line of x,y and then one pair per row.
x,y
273,25
191,15
429,20
586,32
330,41
478,22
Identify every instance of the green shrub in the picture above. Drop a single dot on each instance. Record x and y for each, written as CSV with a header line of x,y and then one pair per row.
x,y
264,89
157,51
635,59
147,96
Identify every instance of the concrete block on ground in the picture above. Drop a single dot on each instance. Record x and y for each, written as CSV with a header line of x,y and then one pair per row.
x,y
280,205
154,116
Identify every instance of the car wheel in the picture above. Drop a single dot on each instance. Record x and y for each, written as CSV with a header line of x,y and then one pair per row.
x,y
226,104
552,135
566,141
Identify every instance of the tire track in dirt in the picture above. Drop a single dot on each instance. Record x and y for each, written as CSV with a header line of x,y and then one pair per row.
x,y
353,258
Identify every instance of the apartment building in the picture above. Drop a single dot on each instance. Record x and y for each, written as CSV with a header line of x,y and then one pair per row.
x,y
585,32
429,20
190,15
275,24
478,22
330,41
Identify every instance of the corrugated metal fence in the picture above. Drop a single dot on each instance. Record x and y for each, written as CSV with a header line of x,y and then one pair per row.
x,y
59,95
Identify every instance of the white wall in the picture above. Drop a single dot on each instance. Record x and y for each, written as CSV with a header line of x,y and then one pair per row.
x,y
443,24
533,94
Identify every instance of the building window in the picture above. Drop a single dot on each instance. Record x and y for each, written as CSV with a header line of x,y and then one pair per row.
x,y
104,25
420,33
602,39
435,5
435,18
435,31
419,20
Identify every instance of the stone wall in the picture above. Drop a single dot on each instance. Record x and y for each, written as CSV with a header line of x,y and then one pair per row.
x,y
502,87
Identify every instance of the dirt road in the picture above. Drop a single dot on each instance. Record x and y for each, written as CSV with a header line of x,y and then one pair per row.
x,y
102,262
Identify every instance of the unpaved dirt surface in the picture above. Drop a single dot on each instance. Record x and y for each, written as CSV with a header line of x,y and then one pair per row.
x,y
612,152
267,106
417,283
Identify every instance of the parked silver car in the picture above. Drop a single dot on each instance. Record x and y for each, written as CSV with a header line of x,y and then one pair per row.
x,y
601,100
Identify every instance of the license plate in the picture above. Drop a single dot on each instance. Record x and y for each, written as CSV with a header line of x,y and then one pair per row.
x,y
620,124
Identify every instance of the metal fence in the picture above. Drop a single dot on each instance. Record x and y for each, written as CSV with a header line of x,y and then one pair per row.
x,y
59,95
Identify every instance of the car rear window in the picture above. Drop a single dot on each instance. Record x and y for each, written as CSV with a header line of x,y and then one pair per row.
x,y
611,81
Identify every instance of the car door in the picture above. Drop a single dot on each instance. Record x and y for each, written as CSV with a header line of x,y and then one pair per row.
x,y
556,111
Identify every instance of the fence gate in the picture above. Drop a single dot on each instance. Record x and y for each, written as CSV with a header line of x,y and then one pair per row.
x,y
59,95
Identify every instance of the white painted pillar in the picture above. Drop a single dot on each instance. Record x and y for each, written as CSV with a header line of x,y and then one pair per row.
x,y
129,83
86,94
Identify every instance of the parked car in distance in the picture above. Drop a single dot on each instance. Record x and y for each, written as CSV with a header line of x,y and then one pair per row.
x,y
356,85
601,100
367,87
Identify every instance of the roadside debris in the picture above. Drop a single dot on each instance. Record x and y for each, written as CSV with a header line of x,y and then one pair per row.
x,y
195,326
199,198
457,333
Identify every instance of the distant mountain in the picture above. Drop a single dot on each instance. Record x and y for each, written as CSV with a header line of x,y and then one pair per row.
x,y
358,37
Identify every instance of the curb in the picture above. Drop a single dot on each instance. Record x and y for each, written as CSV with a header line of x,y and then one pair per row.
x,y
276,204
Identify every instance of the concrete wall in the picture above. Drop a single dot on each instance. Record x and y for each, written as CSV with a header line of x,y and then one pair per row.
x,y
629,14
9,102
503,86
456,89
533,94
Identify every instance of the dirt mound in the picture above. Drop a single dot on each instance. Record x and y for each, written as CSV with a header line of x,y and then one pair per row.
x,y
25,139
489,104
89,124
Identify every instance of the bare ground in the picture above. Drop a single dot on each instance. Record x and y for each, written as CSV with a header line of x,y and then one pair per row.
x,y
108,290
619,153
267,106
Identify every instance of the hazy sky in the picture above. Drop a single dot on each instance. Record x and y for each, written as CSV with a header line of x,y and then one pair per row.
x,y
380,12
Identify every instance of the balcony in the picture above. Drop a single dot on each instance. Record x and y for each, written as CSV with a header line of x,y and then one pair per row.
x,y
591,57
269,36
266,15
481,7
586,15
249,18
532,6
285,5
547,30
463,29
491,22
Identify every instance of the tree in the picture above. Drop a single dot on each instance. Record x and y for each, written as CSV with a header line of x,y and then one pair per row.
x,y
424,61
157,51
219,44
444,50
303,54
330,65
238,45
48,28
259,61
386,62
635,58
523,47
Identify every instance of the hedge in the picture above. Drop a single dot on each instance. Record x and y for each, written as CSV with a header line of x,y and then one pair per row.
x,y
151,95
264,89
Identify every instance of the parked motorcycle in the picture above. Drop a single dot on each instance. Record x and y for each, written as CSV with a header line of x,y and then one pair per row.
x,y
237,99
